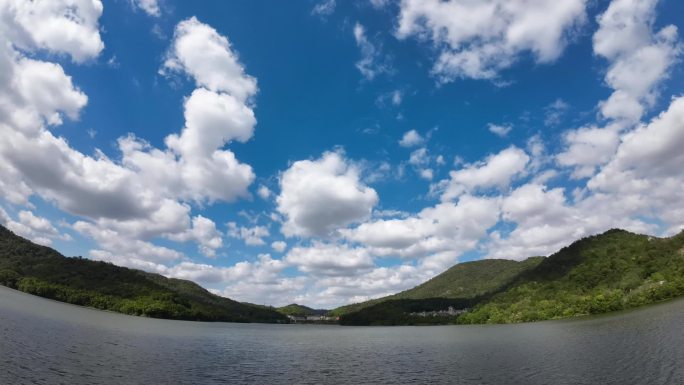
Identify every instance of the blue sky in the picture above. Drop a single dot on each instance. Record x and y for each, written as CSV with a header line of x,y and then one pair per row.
x,y
326,152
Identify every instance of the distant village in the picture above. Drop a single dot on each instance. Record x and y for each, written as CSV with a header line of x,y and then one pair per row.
x,y
451,311
312,319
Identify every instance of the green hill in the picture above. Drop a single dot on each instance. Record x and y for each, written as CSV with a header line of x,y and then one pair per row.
x,y
611,271
43,271
300,310
462,281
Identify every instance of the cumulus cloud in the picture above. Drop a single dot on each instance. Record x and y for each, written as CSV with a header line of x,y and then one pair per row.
x,y
419,157
437,235
125,251
143,196
320,196
637,189
639,60
253,236
639,57
426,173
204,233
264,192
205,55
329,259
67,27
35,228
500,130
411,138
646,168
496,171
279,246
588,147
477,39
195,166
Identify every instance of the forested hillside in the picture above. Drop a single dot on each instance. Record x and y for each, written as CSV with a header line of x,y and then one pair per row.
x,y
43,271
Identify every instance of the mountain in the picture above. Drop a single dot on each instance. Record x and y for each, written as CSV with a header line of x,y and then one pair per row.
x,y
300,310
463,281
611,271
43,271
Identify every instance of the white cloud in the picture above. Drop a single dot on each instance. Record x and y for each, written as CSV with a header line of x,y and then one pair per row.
x,y
151,7
639,60
588,147
411,138
478,39
500,130
140,198
201,52
372,62
329,292
196,166
639,57
253,236
279,246
322,195
496,171
426,173
644,173
329,259
419,157
32,227
324,8
544,223
59,26
125,251
638,189
264,192
436,235
203,231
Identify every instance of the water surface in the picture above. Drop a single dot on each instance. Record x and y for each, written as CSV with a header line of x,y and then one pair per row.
x,y
43,341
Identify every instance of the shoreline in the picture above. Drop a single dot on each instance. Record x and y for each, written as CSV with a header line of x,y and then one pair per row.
x,y
580,317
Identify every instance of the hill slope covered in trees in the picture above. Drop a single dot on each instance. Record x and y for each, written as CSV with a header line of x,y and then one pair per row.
x,y
300,310
612,271
43,271
462,281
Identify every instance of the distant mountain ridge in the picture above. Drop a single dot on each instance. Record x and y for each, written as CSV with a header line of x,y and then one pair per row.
x,y
611,271
43,271
294,309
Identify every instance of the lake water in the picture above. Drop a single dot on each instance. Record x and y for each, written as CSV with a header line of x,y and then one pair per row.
x,y
43,341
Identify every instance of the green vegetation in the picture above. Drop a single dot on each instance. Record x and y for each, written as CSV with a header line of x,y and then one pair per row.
x,y
463,281
612,271
43,271
299,310
398,312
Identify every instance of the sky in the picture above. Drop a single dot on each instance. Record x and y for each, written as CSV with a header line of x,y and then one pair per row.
x,y
328,152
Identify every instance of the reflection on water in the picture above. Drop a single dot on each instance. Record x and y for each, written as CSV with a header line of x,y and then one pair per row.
x,y
43,341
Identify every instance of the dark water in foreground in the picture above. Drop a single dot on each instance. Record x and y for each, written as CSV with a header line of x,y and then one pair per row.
x,y
42,341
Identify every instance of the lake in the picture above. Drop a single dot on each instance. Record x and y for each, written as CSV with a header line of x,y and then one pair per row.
x,y
43,341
